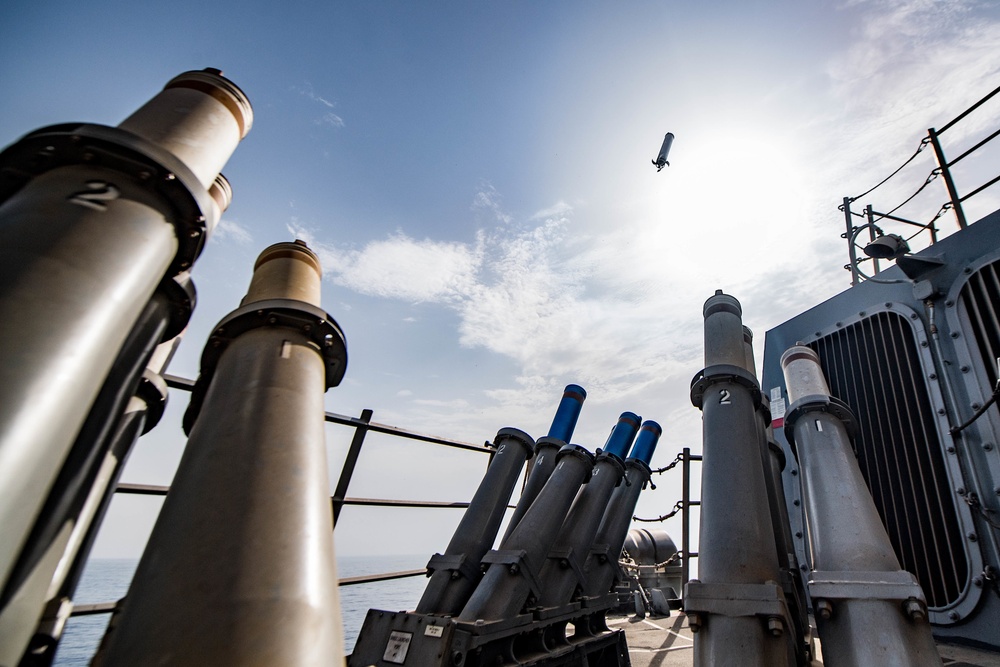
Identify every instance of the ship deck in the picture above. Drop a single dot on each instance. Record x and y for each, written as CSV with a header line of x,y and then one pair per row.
x,y
668,642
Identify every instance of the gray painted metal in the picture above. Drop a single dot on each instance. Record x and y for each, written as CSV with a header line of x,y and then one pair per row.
x,y
512,576
240,566
541,469
91,219
738,601
603,569
76,493
868,610
935,365
457,571
602,566
564,571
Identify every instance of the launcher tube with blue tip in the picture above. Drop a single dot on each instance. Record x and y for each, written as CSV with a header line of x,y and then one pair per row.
x,y
456,572
563,425
514,569
563,572
602,568
738,600
568,412
868,609
622,435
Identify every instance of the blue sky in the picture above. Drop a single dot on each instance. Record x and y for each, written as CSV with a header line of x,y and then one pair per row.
x,y
476,179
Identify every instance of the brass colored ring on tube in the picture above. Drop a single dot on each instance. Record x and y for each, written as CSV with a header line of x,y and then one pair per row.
x,y
228,94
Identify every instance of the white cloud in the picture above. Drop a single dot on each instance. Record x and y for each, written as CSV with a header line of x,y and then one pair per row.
x,y
608,293
328,117
488,199
229,230
522,293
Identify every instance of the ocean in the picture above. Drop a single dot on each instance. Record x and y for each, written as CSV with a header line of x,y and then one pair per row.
x,y
107,580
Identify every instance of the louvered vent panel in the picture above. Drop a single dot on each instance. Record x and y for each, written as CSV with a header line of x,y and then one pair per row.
x,y
981,296
873,366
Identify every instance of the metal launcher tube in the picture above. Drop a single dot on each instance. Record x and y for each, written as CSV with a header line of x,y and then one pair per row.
x,y
563,572
563,425
868,611
738,601
456,572
773,460
511,579
240,566
92,218
602,563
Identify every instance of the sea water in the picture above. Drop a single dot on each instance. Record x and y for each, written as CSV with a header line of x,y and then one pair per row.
x,y
107,580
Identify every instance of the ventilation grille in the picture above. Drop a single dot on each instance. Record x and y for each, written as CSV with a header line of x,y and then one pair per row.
x,y
979,295
873,366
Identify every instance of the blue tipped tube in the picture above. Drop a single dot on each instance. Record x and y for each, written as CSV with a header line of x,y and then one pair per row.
x,y
568,412
602,567
623,434
645,444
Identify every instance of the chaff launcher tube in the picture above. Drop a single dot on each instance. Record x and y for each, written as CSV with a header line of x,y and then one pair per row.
x,y
602,565
512,577
568,412
773,460
738,601
867,609
456,572
563,572
563,425
240,566
92,218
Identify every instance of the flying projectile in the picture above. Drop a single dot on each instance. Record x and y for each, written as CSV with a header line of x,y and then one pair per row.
x,y
661,160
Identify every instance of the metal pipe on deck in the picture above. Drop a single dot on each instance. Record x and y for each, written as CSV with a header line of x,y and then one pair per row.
x,y
868,610
92,218
511,580
240,566
456,572
738,601
563,572
560,433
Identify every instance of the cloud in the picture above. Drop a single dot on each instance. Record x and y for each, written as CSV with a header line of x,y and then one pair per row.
x,y
400,267
567,296
520,291
229,230
328,117
488,199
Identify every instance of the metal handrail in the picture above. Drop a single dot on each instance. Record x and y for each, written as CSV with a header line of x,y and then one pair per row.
x,y
185,384
362,426
109,607
157,490
943,169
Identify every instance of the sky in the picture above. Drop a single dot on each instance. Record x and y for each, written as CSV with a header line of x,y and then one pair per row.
x,y
476,180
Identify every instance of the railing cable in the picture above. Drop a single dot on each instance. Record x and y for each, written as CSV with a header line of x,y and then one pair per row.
x,y
923,144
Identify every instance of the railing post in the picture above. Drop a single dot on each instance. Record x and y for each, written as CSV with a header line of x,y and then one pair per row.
x,y
956,202
849,235
686,517
360,431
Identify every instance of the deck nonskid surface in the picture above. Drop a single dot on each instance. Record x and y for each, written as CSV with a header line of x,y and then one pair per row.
x,y
668,642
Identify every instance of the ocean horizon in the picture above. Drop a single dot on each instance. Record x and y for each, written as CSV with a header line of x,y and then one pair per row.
x,y
108,579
